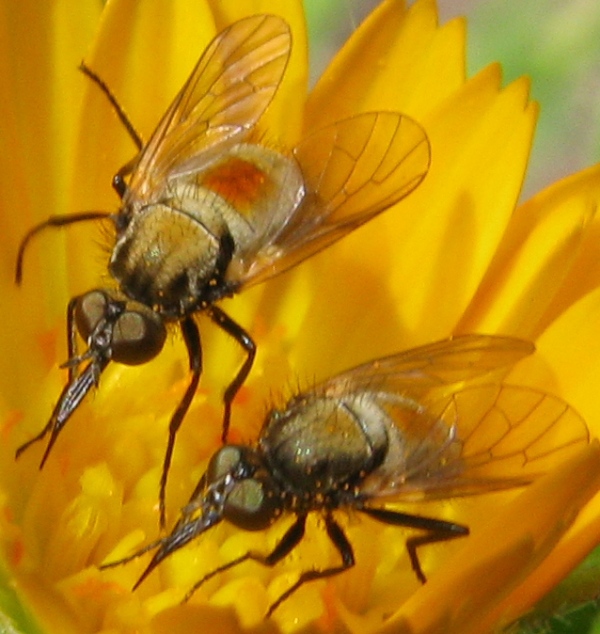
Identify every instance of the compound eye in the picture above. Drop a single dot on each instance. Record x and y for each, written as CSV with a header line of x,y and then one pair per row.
x,y
223,463
138,336
252,504
90,309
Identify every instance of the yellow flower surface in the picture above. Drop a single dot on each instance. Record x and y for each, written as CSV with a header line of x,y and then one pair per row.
x,y
458,256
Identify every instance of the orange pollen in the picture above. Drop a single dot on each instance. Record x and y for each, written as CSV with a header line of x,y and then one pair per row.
x,y
94,587
12,420
47,341
243,396
17,552
239,182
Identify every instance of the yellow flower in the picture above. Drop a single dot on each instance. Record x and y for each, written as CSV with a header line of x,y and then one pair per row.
x,y
455,257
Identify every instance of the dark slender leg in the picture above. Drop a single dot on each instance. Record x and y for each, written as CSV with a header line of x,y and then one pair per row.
x,y
437,531
412,543
118,182
286,544
135,137
340,541
191,336
243,338
53,221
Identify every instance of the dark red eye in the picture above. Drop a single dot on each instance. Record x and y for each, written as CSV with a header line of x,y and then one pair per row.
x,y
253,504
90,310
129,332
225,462
138,336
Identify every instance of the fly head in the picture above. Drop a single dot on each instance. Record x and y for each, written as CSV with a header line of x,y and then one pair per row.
x,y
117,329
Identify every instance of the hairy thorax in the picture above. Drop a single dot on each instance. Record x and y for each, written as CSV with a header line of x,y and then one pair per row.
x,y
322,448
173,254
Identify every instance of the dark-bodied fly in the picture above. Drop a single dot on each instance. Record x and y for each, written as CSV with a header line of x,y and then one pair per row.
x,y
208,209
430,423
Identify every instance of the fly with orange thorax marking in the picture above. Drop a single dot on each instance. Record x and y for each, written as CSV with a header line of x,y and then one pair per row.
x,y
207,211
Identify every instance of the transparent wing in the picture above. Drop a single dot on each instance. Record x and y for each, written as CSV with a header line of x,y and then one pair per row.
x,y
351,170
454,427
229,89
441,365
478,439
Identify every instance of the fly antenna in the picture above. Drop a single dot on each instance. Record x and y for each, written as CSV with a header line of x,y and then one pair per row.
x,y
133,133
53,221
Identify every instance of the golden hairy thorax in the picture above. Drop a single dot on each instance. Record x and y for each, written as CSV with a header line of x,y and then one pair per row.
x,y
173,250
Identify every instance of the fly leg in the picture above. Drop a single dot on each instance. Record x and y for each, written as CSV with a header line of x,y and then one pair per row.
x,y
52,221
118,183
340,541
412,543
120,112
286,544
245,340
436,531
191,336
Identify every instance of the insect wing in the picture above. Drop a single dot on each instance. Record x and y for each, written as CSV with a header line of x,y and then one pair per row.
x,y
442,365
478,439
459,429
229,89
352,170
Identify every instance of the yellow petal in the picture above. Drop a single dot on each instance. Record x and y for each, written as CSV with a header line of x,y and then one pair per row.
x,y
546,260
418,65
568,359
577,543
40,48
464,598
443,235
480,146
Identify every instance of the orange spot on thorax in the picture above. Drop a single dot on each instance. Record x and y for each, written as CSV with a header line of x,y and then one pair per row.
x,y
239,182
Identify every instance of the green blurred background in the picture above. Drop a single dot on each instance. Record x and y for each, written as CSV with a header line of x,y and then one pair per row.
x,y
555,42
